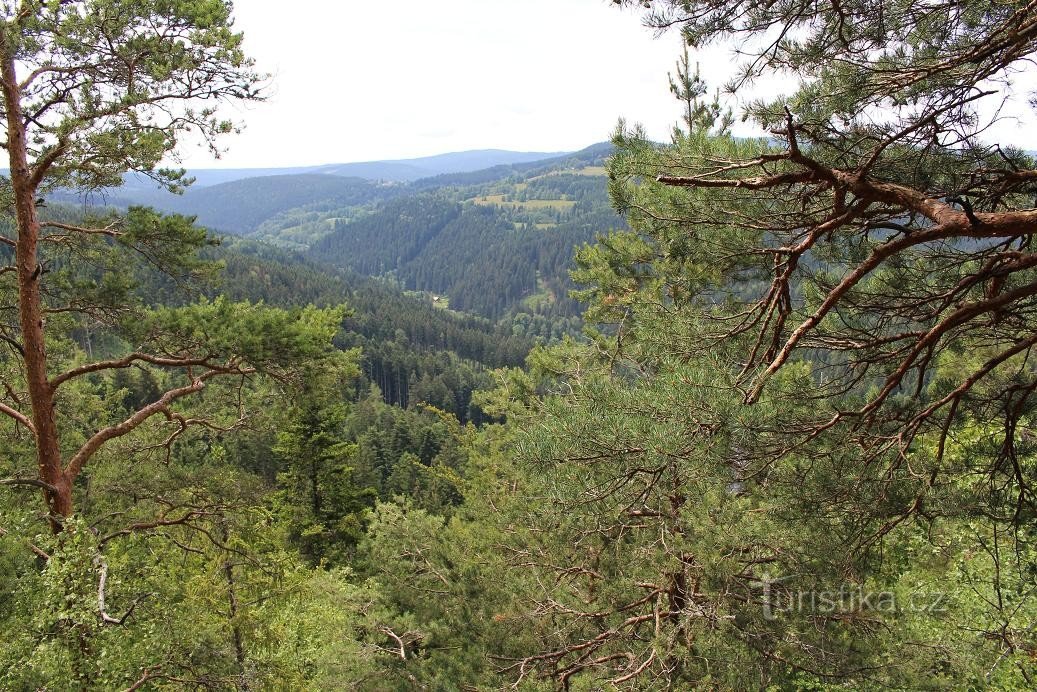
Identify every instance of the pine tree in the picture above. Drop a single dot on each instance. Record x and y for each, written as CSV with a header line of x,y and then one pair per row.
x,y
92,90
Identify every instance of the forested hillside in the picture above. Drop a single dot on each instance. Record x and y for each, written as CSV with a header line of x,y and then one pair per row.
x,y
241,206
496,242
411,351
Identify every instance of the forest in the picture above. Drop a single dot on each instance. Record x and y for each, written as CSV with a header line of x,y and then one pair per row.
x,y
720,412
518,222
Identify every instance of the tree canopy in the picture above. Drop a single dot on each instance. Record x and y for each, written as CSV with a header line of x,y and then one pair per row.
x,y
793,449
92,90
812,375
880,231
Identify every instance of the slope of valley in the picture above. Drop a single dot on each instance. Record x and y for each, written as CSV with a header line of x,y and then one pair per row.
x,y
496,242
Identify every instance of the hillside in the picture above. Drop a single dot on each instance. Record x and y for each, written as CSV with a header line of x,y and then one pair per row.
x,y
494,242
404,338
394,170
240,206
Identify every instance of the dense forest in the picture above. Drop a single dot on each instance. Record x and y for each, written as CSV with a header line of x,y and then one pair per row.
x,y
403,339
519,230
715,413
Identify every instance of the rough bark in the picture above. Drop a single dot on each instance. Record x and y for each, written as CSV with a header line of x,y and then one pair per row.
x,y
41,392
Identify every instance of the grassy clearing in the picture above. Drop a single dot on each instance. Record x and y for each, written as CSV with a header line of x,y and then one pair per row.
x,y
521,225
542,298
438,300
529,205
592,171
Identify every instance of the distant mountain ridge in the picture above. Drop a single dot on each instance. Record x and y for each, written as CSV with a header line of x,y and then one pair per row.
x,y
392,170
407,170
388,170
240,205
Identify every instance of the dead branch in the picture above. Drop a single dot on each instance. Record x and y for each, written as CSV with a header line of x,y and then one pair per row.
x,y
102,567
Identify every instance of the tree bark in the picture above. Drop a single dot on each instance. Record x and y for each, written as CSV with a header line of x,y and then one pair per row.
x,y
41,393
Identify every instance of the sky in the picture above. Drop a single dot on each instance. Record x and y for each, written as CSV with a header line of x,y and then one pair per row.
x,y
363,80
359,80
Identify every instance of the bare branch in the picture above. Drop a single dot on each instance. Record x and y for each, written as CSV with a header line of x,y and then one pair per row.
x,y
37,551
186,519
46,162
109,230
992,226
33,482
146,676
20,417
759,183
402,651
126,362
79,459
102,582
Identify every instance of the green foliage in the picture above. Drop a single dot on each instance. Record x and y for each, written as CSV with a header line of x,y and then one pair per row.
x,y
713,503
406,342
669,502
689,88
428,242
181,53
293,626
448,584
263,337
318,489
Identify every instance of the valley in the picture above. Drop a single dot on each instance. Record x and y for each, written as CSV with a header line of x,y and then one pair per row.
x,y
495,242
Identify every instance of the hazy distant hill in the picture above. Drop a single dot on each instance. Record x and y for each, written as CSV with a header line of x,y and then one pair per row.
x,y
239,200
592,155
241,206
414,169
399,170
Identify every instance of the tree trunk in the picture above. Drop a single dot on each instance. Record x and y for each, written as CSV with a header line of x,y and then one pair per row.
x,y
235,628
34,349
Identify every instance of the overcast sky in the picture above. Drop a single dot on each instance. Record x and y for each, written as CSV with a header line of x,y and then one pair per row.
x,y
364,80
361,80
